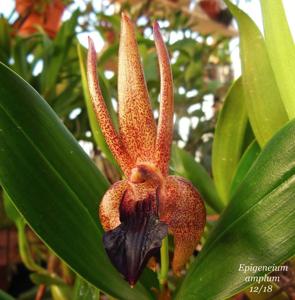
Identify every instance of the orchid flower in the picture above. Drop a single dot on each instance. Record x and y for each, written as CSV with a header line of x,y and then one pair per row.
x,y
138,211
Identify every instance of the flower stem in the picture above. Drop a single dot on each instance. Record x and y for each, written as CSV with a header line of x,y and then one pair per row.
x,y
162,276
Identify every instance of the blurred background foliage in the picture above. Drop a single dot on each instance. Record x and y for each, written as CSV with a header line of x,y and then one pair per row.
x,y
45,43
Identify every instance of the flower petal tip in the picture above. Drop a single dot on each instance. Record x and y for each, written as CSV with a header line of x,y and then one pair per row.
x,y
91,44
91,51
182,208
156,27
125,17
157,33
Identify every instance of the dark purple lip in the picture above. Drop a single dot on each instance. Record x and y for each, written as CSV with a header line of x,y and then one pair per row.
x,y
138,238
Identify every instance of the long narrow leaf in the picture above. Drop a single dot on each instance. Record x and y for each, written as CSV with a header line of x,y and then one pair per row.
x,y
281,50
265,108
244,165
228,139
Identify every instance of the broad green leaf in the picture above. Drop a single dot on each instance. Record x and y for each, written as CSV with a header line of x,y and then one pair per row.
x,y
95,128
264,105
281,50
228,139
185,165
244,165
54,184
256,228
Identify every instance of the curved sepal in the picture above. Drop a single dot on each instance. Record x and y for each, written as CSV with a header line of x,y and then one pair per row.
x,y
109,213
182,208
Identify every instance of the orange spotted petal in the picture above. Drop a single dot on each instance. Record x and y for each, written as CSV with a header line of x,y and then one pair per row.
x,y
105,122
109,207
137,125
182,208
165,124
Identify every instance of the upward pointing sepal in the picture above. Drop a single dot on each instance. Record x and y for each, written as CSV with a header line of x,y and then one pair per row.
x,y
137,125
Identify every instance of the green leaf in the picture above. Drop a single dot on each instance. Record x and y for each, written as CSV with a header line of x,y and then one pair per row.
x,y
61,292
244,165
185,165
95,128
265,108
281,50
84,291
24,249
5,296
229,139
19,54
149,279
54,184
193,70
56,53
10,209
150,64
257,227
110,53
66,101
5,37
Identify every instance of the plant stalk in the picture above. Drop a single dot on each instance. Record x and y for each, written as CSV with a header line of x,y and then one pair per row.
x,y
163,273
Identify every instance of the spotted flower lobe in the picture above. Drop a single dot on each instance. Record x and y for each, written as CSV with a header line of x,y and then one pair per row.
x,y
114,142
136,122
138,212
165,124
182,209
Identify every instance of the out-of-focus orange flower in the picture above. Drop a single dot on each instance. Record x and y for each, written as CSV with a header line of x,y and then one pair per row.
x,y
34,13
137,212
217,11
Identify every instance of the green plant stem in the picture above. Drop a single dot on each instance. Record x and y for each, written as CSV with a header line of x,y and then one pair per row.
x,y
162,276
24,250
